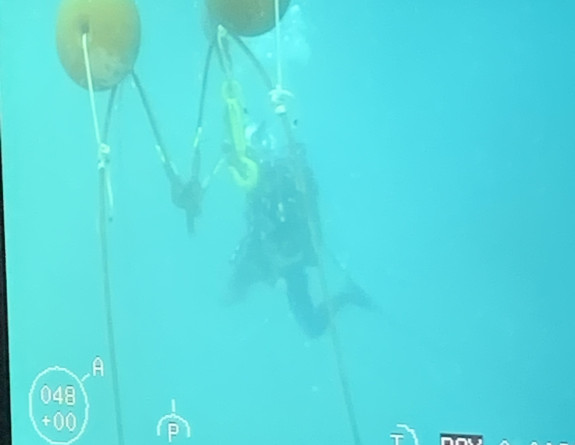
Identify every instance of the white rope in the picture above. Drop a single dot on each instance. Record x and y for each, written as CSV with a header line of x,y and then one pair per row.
x,y
278,44
103,149
91,87
278,95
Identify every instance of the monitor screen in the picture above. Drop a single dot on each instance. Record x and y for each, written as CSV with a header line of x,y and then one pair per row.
x,y
288,222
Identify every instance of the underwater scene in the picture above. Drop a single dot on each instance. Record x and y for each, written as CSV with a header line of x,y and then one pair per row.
x,y
289,221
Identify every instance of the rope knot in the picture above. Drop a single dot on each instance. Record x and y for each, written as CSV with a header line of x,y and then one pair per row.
x,y
103,155
278,97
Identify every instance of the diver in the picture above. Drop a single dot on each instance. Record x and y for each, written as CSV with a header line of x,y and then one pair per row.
x,y
278,244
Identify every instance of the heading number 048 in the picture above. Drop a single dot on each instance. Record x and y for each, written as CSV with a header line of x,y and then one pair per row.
x,y
60,395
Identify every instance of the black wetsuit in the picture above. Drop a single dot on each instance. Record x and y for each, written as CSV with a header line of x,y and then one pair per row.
x,y
278,243
278,237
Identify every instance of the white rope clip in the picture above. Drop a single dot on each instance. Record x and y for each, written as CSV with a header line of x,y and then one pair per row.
x,y
278,98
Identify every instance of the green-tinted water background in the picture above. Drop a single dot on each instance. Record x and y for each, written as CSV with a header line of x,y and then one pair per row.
x,y
442,136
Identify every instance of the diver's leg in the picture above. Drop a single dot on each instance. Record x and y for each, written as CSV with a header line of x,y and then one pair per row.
x,y
313,320
247,270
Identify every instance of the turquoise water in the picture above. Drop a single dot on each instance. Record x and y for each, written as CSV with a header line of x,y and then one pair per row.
x,y
442,137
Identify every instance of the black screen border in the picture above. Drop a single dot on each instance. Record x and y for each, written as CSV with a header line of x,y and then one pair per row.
x,y
5,418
